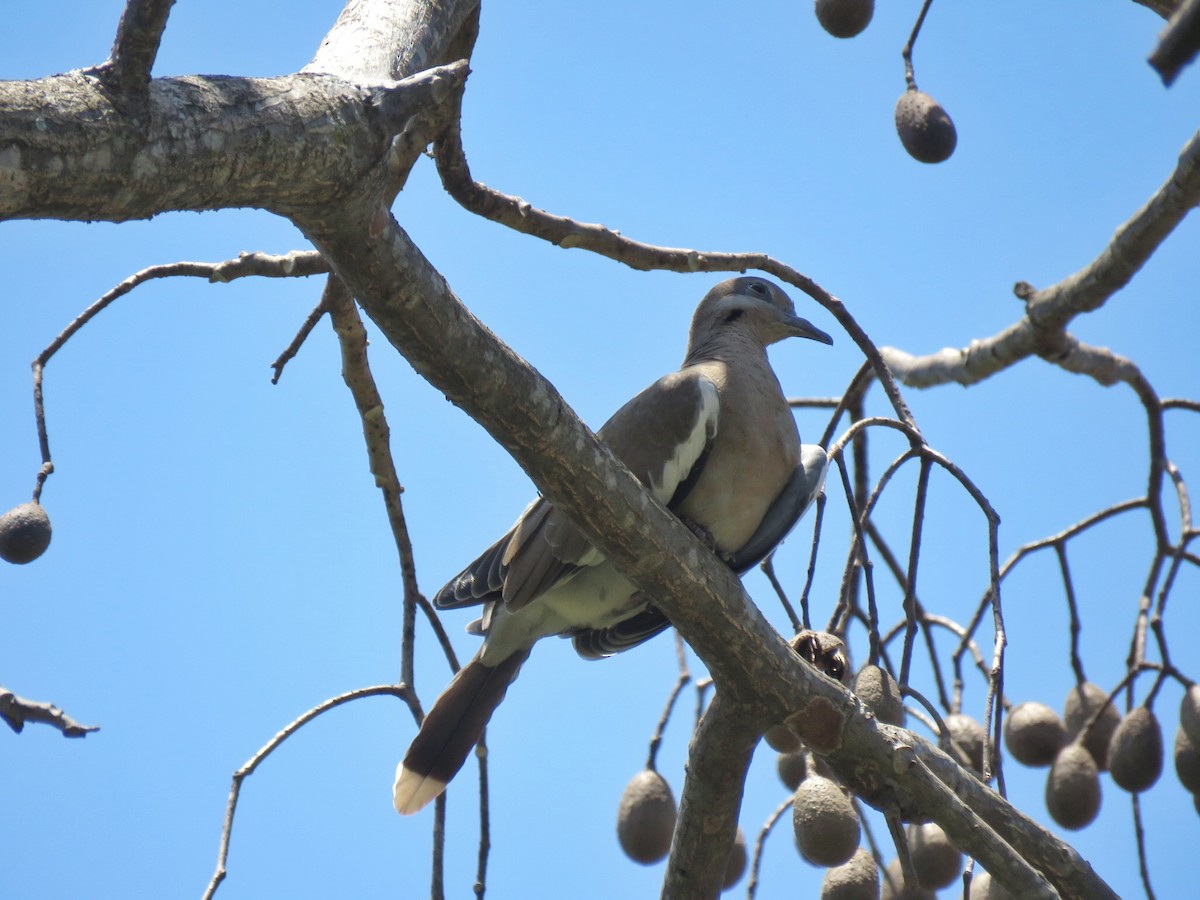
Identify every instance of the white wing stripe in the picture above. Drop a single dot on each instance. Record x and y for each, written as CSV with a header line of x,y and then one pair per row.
x,y
676,469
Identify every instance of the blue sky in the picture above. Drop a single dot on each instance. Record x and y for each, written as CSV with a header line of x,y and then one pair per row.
x,y
221,560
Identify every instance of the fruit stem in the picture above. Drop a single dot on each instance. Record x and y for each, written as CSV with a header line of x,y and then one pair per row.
x,y
907,52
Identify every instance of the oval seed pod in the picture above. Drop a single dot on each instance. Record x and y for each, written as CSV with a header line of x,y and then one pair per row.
x,y
1082,702
984,888
926,130
855,879
937,861
1189,714
878,689
845,18
1033,734
895,889
826,825
1187,761
646,818
792,768
782,739
24,533
967,735
735,865
1073,788
1135,753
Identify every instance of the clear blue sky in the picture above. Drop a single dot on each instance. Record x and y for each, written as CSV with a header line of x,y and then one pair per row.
x,y
221,559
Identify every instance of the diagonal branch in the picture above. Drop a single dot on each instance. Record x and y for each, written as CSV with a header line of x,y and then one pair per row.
x,y
754,669
1050,310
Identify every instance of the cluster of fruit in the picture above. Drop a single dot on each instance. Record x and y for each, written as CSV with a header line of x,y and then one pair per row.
x,y
826,821
1091,737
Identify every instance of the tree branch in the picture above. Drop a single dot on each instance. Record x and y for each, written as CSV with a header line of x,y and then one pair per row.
x,y
1049,311
755,670
68,152
139,33
718,758
399,691
382,39
16,711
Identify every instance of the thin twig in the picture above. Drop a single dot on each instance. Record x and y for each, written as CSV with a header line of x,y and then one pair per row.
x,y
289,352
290,265
760,841
400,691
907,52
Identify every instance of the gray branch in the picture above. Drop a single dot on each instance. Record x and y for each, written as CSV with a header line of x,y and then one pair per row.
x,y
315,147
67,152
139,34
1041,330
16,711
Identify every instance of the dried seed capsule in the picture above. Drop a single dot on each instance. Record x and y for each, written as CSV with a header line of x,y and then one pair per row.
x,y
895,889
1082,702
845,18
24,533
735,865
926,130
984,888
937,861
878,689
1033,734
1135,753
826,825
1073,788
1187,761
782,739
856,879
646,818
1189,714
791,768
968,738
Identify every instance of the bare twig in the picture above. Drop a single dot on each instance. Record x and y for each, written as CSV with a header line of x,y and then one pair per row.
x,y
760,843
289,353
400,691
289,265
519,215
685,676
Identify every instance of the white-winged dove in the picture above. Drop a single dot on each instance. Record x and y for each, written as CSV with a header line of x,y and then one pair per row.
x,y
715,441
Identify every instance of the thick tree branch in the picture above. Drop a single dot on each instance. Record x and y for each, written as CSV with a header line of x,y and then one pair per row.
x,y
374,40
720,754
68,152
